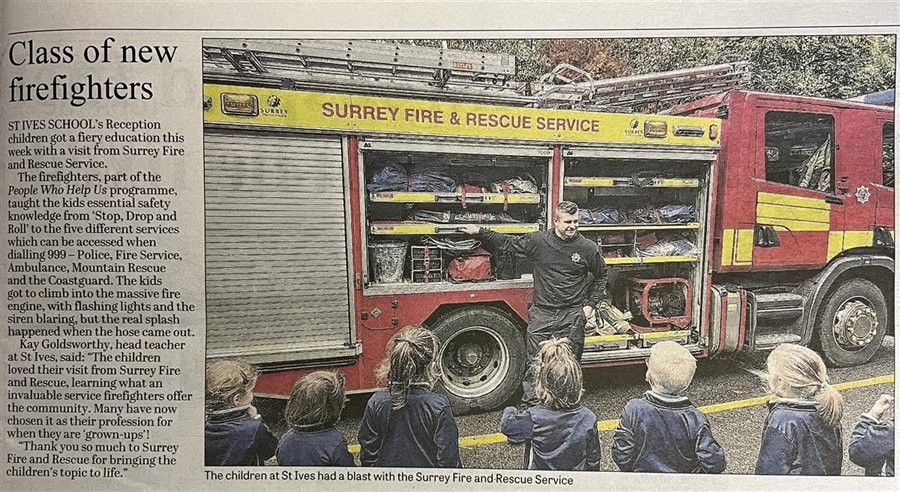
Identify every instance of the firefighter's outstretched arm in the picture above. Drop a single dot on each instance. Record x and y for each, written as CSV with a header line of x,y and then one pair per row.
x,y
523,245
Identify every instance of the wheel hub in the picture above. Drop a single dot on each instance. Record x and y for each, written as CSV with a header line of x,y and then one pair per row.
x,y
855,324
469,355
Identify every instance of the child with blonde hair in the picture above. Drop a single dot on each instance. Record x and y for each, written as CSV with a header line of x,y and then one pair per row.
x,y
663,431
408,425
802,435
559,433
235,432
314,408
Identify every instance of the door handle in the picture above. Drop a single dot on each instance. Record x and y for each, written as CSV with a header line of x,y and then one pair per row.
x,y
842,187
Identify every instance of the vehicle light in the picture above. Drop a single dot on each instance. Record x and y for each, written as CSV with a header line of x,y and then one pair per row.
x,y
688,131
655,129
240,104
713,132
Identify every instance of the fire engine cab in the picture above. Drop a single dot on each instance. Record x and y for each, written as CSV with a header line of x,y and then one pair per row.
x,y
338,174
804,221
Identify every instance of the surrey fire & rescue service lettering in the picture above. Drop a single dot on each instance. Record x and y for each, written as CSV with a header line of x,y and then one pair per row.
x,y
471,119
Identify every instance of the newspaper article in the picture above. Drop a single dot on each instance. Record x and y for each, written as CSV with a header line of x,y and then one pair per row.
x,y
128,146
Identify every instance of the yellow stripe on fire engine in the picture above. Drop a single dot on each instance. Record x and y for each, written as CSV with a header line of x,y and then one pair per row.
x,y
835,243
797,214
727,247
793,201
737,247
814,215
839,241
744,247
664,335
608,339
260,107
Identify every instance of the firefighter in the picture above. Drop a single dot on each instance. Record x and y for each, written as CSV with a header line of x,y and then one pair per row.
x,y
569,280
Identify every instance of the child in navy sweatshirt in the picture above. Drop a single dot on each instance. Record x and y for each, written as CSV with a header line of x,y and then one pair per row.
x,y
559,433
235,432
872,440
408,425
316,403
802,435
663,431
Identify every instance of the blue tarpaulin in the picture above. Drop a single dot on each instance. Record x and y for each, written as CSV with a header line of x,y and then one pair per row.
x,y
883,98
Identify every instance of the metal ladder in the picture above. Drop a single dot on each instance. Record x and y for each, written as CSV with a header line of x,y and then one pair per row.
x,y
379,68
570,87
405,70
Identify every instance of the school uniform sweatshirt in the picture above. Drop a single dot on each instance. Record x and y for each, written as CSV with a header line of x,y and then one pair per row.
x,y
665,433
422,434
872,446
321,446
555,439
796,441
235,439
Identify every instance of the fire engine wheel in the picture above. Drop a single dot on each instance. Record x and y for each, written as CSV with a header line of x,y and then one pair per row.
x,y
482,358
852,323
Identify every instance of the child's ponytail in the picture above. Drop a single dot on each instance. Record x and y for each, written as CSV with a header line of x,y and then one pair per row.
x,y
830,404
803,373
410,362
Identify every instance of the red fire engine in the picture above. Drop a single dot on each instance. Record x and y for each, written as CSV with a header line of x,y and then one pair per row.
x,y
336,178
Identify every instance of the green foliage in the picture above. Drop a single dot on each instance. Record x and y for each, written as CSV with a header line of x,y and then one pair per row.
x,y
822,66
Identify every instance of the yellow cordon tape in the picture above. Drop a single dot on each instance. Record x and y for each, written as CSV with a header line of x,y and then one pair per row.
x,y
609,425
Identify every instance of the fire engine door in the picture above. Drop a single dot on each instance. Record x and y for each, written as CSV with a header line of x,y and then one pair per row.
x,y
857,169
796,202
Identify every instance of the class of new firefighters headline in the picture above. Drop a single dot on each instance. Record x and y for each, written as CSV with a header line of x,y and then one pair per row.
x,y
353,113
28,54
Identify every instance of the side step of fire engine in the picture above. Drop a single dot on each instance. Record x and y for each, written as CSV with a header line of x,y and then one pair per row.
x,y
774,319
602,348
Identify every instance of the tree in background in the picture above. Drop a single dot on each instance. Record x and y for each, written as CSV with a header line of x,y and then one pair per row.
x,y
823,66
836,67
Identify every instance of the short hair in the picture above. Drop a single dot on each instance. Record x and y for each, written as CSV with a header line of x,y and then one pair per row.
x,y
558,378
671,368
410,359
317,399
566,207
226,379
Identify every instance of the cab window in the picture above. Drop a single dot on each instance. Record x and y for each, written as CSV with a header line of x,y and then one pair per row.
x,y
800,150
887,155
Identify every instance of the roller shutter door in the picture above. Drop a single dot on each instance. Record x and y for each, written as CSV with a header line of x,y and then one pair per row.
x,y
276,247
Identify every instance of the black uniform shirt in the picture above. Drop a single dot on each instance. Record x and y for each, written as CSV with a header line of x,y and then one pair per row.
x,y
567,272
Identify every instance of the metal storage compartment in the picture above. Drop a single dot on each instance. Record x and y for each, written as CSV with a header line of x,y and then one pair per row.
x,y
277,268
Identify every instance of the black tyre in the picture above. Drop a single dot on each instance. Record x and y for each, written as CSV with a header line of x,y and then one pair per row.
x,y
482,358
852,323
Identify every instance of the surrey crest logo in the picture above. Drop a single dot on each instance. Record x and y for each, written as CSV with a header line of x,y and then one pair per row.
x,y
274,107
